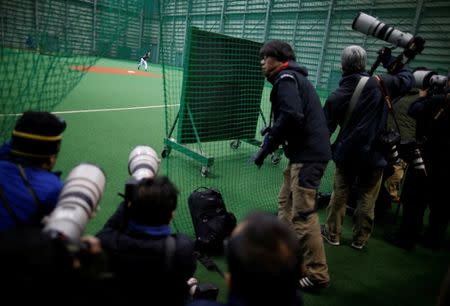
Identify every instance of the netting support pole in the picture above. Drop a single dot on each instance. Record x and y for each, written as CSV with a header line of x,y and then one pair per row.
x,y
94,25
36,19
222,16
294,35
268,19
324,43
245,19
141,29
417,17
188,24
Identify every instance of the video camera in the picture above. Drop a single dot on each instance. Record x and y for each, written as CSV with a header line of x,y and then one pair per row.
x,y
143,162
411,44
77,203
427,79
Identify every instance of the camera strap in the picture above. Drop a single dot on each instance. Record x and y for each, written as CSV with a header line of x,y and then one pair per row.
x,y
387,100
170,246
29,187
8,208
355,97
208,263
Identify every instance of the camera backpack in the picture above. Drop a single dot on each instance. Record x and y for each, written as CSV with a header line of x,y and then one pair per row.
x,y
211,220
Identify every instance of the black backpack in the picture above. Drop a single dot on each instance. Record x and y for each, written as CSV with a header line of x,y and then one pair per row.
x,y
212,222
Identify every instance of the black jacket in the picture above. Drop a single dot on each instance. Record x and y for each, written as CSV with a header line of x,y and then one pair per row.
x,y
141,265
433,128
356,146
298,120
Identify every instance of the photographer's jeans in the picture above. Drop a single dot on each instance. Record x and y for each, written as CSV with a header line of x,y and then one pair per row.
x,y
297,206
368,186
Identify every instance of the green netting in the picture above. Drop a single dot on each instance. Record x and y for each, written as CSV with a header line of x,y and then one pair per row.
x,y
46,45
200,99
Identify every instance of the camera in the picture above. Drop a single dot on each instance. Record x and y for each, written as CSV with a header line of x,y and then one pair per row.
x,y
77,202
427,79
417,161
370,25
389,141
143,162
205,291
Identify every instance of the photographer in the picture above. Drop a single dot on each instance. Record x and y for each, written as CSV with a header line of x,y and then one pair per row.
x,y
358,156
37,267
28,188
263,264
299,126
150,263
420,189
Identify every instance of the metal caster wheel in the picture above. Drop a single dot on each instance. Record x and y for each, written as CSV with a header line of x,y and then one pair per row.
x,y
166,152
275,159
234,144
204,171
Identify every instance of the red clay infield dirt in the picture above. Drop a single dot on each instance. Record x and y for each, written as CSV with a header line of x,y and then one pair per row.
x,y
112,70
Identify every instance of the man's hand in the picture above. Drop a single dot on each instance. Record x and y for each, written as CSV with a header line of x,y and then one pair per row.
x,y
259,158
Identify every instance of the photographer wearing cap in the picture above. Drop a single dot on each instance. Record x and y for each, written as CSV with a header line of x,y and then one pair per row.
x,y
150,263
28,188
358,106
299,126
432,114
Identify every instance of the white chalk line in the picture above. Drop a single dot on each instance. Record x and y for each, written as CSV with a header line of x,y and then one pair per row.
x,y
100,110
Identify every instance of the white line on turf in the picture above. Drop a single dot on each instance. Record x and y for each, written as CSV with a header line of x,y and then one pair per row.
x,y
101,110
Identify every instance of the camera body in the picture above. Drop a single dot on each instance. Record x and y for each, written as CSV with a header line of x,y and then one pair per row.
x,y
77,202
389,141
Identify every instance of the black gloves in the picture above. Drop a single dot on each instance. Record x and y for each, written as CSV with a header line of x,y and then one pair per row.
x,y
261,155
391,63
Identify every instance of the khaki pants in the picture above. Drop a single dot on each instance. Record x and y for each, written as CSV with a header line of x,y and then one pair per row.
x,y
296,206
368,186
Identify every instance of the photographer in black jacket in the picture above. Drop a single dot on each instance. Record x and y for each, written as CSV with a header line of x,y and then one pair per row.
x,y
299,126
357,153
428,189
149,263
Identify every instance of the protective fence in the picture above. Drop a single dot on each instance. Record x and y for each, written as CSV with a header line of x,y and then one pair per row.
x,y
48,45
216,101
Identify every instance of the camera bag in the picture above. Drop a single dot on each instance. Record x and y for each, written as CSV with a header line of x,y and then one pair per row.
x,y
211,220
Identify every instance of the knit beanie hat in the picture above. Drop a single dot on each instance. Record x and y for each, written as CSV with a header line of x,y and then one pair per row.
x,y
37,135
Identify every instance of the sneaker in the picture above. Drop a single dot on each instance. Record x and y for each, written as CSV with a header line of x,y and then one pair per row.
x,y
358,245
307,284
139,67
327,237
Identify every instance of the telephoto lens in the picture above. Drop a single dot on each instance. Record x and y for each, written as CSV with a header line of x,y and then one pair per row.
x,y
418,162
369,25
393,157
143,162
77,202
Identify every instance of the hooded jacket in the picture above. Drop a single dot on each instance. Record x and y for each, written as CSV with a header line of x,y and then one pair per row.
x,y
298,120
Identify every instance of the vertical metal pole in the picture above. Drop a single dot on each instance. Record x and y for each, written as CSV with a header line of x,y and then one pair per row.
x,y
419,11
222,16
188,24
94,25
36,18
66,9
204,15
268,19
294,35
245,19
324,43
372,4
141,30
